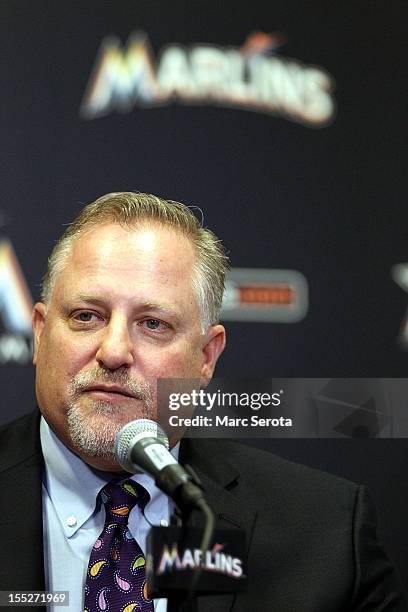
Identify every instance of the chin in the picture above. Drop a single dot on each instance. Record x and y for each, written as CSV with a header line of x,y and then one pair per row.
x,y
92,430
102,464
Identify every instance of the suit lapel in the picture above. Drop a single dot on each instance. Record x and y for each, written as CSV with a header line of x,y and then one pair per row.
x,y
221,483
21,507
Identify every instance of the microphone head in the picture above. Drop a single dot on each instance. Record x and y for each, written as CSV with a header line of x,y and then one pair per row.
x,y
128,436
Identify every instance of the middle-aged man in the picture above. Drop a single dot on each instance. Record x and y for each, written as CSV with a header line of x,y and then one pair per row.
x,y
132,295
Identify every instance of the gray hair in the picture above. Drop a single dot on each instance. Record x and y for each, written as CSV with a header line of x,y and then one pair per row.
x,y
129,209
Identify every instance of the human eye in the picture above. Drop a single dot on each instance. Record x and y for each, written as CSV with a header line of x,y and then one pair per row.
x,y
154,325
85,318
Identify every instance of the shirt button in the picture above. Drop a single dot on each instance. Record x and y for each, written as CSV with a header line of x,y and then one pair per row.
x,y
71,521
164,523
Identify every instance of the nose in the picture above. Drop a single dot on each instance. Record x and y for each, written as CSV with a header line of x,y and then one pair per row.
x,y
116,348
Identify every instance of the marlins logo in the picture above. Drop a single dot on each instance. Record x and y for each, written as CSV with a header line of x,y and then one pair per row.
x,y
15,308
399,273
252,77
189,559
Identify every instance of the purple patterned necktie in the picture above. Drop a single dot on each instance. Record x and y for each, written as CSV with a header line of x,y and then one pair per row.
x,y
116,575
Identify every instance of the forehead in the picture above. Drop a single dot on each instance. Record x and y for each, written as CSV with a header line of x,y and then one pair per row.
x,y
120,256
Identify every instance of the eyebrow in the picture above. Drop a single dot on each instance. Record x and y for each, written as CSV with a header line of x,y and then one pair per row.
x,y
146,305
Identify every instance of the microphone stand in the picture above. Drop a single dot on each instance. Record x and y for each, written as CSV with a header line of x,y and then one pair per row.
x,y
185,601
180,601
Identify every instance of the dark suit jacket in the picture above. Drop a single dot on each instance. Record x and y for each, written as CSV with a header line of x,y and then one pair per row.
x,y
312,544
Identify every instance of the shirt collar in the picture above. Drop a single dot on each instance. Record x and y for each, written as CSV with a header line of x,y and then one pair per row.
x,y
73,485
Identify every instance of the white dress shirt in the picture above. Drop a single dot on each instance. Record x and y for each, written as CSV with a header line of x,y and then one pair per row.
x,y
72,523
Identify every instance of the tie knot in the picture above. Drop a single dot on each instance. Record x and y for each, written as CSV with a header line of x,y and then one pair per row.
x,y
119,499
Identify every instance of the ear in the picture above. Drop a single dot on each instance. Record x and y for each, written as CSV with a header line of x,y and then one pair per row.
x,y
214,344
38,321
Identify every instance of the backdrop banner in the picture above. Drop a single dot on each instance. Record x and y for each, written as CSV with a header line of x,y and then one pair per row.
x,y
284,125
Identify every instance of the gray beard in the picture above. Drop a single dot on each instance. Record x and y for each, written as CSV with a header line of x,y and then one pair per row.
x,y
93,427
95,434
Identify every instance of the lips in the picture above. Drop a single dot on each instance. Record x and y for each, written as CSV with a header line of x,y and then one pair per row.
x,y
111,390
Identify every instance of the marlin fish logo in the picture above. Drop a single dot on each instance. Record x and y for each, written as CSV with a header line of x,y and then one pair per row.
x,y
15,299
399,273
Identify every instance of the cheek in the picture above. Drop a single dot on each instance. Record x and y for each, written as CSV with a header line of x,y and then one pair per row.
x,y
181,363
60,358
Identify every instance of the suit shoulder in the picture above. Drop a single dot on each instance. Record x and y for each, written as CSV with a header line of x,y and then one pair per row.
x,y
276,467
264,472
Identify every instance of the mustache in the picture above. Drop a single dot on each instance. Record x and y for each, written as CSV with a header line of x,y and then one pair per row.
x,y
140,389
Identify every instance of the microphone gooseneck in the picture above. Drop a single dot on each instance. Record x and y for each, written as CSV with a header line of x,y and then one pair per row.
x,y
143,445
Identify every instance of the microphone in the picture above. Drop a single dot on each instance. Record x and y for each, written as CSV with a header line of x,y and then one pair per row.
x,y
142,444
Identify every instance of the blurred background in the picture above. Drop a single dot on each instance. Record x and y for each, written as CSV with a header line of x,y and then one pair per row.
x,y
285,123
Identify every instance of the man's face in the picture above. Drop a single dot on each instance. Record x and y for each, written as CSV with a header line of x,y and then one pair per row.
x,y
122,315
